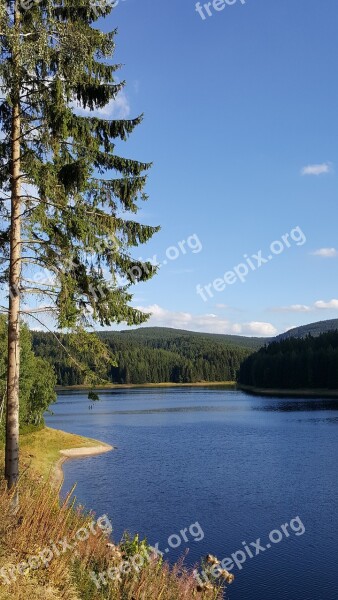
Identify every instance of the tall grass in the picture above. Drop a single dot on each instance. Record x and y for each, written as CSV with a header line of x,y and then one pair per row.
x,y
43,520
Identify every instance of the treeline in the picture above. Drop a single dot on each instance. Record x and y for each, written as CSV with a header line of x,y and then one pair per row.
x,y
151,358
308,363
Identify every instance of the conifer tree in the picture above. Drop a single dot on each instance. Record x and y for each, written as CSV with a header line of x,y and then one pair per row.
x,y
67,196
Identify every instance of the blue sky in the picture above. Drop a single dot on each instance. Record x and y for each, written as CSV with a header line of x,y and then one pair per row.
x,y
241,124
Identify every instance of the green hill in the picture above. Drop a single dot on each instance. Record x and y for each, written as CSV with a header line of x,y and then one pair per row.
x,y
313,329
156,355
163,334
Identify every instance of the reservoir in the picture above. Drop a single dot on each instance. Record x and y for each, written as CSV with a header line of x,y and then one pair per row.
x,y
231,471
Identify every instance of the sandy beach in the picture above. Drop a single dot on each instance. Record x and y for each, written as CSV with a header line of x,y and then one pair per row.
x,y
58,475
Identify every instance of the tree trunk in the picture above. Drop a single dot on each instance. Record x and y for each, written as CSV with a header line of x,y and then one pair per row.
x,y
13,368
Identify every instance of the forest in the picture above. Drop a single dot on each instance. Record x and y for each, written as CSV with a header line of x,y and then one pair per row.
x,y
308,363
37,389
153,355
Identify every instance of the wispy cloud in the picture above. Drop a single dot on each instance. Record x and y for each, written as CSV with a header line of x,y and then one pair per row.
x,y
326,252
293,308
119,108
207,323
319,169
304,308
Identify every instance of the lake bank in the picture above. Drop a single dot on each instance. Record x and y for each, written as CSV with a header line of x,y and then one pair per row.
x,y
76,453
288,393
122,386
45,451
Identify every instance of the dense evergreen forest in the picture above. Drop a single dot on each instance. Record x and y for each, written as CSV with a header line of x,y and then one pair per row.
x,y
155,355
308,363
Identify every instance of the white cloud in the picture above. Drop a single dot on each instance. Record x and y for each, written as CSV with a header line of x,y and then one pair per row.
x,y
207,323
333,304
318,305
119,108
259,328
319,169
326,252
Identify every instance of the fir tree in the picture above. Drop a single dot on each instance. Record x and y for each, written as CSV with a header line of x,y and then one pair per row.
x,y
66,193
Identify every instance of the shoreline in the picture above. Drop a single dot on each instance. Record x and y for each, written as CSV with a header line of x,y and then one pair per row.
x,y
44,451
288,393
57,477
112,386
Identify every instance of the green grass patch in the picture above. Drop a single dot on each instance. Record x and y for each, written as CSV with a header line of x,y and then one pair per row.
x,y
40,449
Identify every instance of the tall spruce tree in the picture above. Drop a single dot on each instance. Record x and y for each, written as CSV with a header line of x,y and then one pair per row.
x,y
67,196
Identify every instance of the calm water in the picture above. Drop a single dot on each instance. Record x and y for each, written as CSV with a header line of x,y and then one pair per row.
x,y
241,466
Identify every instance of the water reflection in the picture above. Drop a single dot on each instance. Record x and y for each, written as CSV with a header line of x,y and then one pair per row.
x,y
293,405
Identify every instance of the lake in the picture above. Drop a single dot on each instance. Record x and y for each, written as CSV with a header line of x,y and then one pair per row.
x,y
238,467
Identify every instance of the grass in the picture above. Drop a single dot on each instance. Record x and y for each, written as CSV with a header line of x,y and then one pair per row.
x,y
43,520
40,450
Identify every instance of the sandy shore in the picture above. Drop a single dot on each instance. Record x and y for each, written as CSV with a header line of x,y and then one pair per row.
x,y
58,475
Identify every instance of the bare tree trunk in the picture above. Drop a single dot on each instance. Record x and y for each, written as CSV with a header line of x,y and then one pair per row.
x,y
13,368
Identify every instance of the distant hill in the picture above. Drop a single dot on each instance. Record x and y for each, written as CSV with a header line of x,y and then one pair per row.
x,y
156,334
314,329
157,355
163,354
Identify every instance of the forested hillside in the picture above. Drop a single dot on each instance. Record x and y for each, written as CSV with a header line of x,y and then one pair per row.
x,y
156,355
313,329
162,336
308,363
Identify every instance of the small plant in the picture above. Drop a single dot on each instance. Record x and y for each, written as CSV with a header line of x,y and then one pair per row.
x,y
212,576
133,546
